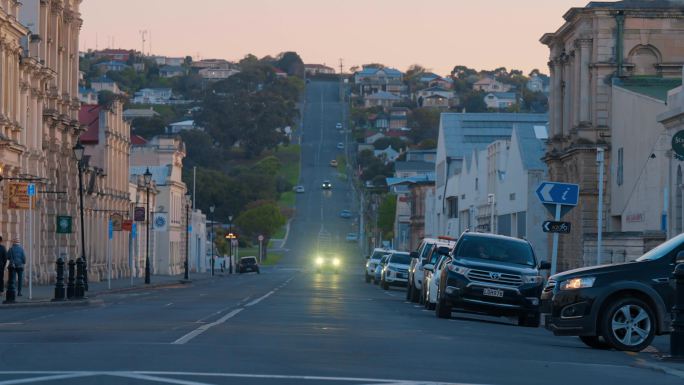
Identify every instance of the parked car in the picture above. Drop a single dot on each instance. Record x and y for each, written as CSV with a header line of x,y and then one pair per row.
x,y
345,214
326,185
395,272
248,264
327,261
338,126
299,189
434,256
494,274
373,261
352,237
340,146
415,278
622,306
377,275
433,284
333,163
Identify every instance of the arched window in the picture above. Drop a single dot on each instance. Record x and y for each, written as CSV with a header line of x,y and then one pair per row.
x,y
645,58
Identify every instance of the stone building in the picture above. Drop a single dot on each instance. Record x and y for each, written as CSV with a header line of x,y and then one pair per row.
x,y
107,142
597,43
39,123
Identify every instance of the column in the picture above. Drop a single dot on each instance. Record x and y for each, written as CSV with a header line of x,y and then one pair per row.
x,y
556,98
585,45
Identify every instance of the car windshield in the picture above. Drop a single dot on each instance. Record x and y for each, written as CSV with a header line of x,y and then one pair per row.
x,y
378,254
663,249
401,258
426,250
497,250
248,260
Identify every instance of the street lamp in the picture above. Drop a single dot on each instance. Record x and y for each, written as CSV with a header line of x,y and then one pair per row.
x,y
147,177
187,234
211,221
230,244
79,151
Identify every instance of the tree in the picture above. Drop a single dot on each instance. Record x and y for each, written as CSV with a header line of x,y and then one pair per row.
x,y
386,215
424,123
263,219
427,144
474,102
291,63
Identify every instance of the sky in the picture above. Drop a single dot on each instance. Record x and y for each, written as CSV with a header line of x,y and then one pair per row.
x,y
437,34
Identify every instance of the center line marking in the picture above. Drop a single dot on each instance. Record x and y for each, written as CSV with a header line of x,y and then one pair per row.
x,y
186,338
263,297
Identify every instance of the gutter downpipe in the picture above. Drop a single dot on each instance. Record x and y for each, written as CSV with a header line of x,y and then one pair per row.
x,y
619,44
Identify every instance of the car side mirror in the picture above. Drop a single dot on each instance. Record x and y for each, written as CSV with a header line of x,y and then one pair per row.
x,y
680,257
414,254
367,256
429,267
443,250
544,265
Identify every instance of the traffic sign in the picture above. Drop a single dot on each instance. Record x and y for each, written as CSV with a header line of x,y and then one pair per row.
x,y
556,227
558,193
678,143
63,224
139,214
260,237
31,190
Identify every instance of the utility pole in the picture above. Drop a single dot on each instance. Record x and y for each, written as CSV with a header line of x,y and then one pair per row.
x,y
599,237
143,34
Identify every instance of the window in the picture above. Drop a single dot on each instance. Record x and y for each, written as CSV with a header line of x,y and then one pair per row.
x,y
453,207
512,196
503,225
620,171
522,224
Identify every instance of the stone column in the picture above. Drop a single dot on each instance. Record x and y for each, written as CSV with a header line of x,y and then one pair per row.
x,y
585,60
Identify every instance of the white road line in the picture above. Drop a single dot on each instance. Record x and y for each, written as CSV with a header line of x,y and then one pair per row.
x,y
186,338
168,304
145,377
47,378
263,297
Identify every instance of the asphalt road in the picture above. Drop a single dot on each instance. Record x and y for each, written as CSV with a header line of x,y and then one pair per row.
x,y
290,325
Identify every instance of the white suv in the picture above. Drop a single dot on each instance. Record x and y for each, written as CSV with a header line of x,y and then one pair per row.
x,y
418,260
433,283
373,262
395,272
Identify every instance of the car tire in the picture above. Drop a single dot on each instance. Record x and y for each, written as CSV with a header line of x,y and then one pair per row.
x,y
375,281
385,286
617,312
442,310
595,342
431,306
530,320
415,295
258,271
408,290
421,299
368,279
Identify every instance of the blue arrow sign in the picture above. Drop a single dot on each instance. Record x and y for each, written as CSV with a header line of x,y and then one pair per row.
x,y
31,190
558,193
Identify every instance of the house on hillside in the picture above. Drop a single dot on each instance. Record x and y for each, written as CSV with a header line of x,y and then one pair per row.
x,y
381,99
371,80
539,83
379,121
489,84
185,125
318,69
398,117
372,136
153,96
103,83
388,155
87,95
500,100
142,113
214,74
120,55
171,71
112,65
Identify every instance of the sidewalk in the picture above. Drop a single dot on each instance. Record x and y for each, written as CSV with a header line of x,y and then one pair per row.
x,y
42,295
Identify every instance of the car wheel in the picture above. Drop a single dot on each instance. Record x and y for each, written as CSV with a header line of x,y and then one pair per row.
x,y
415,295
258,271
441,308
385,286
408,290
530,320
422,295
367,278
628,324
595,342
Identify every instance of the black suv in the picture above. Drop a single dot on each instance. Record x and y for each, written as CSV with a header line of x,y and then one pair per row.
x,y
495,274
248,264
621,306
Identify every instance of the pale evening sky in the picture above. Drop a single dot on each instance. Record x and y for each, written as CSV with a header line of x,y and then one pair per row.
x,y
437,34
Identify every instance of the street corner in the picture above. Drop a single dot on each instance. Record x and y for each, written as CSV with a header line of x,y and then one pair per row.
x,y
86,302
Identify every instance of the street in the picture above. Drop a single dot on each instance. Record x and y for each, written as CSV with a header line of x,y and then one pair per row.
x,y
289,325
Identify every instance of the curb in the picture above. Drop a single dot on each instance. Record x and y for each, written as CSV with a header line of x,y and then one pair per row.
x,y
641,363
144,287
50,303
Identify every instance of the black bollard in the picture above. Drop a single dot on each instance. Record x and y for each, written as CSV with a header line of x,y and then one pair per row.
x,y
85,275
230,264
71,280
60,294
11,295
79,287
677,336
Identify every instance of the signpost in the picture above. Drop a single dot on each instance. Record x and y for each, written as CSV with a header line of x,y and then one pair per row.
x,y
139,214
261,247
63,224
556,227
562,197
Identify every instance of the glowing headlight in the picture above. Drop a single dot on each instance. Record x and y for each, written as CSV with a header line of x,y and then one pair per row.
x,y
319,261
336,262
458,269
577,283
533,279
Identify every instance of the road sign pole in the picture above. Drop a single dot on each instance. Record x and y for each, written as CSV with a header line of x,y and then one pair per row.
x,y
554,252
599,233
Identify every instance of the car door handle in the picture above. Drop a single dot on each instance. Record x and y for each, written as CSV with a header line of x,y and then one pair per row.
x,y
661,280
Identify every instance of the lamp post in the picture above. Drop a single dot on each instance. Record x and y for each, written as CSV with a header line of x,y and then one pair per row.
x,y
148,181
230,244
187,234
211,236
79,151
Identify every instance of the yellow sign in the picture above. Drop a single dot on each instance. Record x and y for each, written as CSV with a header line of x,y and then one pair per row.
x,y
17,196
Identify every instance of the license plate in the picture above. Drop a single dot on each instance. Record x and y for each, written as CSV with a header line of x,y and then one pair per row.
x,y
400,275
493,292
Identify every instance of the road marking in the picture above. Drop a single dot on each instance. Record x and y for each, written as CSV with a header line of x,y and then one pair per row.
x,y
263,297
162,377
186,338
168,304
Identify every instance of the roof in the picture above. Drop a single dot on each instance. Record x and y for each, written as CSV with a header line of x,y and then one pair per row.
x,y
532,149
424,178
83,90
504,95
383,95
160,174
636,4
89,116
183,123
138,140
434,89
464,133
414,165
371,133
370,71
486,80
139,112
653,87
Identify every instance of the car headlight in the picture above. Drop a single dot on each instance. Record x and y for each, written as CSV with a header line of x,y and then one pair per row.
x,y
458,269
533,279
577,283
336,262
319,261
